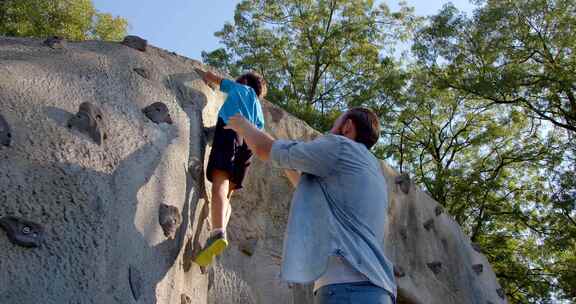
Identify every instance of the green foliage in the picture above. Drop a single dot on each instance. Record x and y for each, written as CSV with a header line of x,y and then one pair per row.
x,y
319,57
515,53
72,19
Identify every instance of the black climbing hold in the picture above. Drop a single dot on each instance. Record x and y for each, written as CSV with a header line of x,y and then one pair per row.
x,y
438,210
501,293
478,268
184,299
429,224
248,247
89,120
476,247
143,72
135,280
135,42
399,271
5,132
170,220
22,232
436,267
403,233
403,181
158,113
55,42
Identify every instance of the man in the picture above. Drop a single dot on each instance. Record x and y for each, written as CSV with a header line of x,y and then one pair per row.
x,y
338,213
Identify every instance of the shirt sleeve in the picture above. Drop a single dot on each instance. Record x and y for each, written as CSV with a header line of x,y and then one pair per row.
x,y
226,85
318,157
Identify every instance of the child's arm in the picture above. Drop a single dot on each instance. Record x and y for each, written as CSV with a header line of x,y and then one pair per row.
x,y
209,77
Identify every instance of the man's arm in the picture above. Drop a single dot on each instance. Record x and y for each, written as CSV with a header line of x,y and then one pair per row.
x,y
258,141
318,157
293,176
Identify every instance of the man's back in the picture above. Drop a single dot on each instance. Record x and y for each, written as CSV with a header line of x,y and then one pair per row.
x,y
339,208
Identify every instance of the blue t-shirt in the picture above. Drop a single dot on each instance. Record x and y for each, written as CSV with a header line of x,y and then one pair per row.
x,y
241,99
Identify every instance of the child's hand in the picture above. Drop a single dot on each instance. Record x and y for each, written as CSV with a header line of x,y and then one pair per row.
x,y
209,78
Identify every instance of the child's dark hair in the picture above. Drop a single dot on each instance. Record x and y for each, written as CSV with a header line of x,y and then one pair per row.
x,y
255,81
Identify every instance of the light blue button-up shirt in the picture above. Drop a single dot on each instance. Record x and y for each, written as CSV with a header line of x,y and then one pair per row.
x,y
339,208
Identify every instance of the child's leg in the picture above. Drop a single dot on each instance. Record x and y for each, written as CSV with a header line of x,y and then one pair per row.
x,y
220,200
217,241
228,209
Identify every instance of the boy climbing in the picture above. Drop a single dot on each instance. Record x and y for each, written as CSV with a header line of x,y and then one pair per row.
x,y
230,156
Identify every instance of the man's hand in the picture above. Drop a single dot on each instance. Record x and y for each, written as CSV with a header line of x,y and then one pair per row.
x,y
293,176
239,124
259,142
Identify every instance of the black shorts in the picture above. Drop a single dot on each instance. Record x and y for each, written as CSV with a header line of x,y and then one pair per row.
x,y
230,154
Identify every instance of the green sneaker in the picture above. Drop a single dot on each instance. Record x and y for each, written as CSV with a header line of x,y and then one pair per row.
x,y
214,247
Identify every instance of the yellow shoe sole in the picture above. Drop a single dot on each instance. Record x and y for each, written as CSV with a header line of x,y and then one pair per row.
x,y
206,256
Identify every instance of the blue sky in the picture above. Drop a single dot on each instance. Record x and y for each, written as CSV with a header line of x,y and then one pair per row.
x,y
187,26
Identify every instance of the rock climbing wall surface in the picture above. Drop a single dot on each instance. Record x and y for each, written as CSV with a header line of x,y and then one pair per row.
x,y
100,190
103,197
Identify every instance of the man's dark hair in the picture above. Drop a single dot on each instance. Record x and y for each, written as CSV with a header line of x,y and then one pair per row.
x,y
367,125
256,82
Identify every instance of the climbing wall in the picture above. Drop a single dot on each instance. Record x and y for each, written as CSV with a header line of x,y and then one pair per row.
x,y
103,197
101,188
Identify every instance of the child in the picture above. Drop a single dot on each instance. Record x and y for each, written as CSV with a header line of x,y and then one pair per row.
x,y
230,156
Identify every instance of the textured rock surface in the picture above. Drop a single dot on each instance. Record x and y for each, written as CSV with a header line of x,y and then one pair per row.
x,y
99,204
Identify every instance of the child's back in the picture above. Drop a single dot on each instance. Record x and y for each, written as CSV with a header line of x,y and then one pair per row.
x,y
230,156
241,99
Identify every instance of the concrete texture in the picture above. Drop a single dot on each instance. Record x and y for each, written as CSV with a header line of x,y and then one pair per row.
x,y
99,205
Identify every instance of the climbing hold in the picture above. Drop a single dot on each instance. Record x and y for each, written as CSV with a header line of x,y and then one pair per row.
x,y
248,247
438,210
403,181
399,271
476,247
135,280
501,293
436,267
158,113
143,72
478,268
22,232
184,299
170,220
55,42
403,233
429,224
135,42
89,121
5,133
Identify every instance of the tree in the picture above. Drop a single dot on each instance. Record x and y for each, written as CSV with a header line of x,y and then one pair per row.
x,y
515,59
512,53
318,57
71,19
484,166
